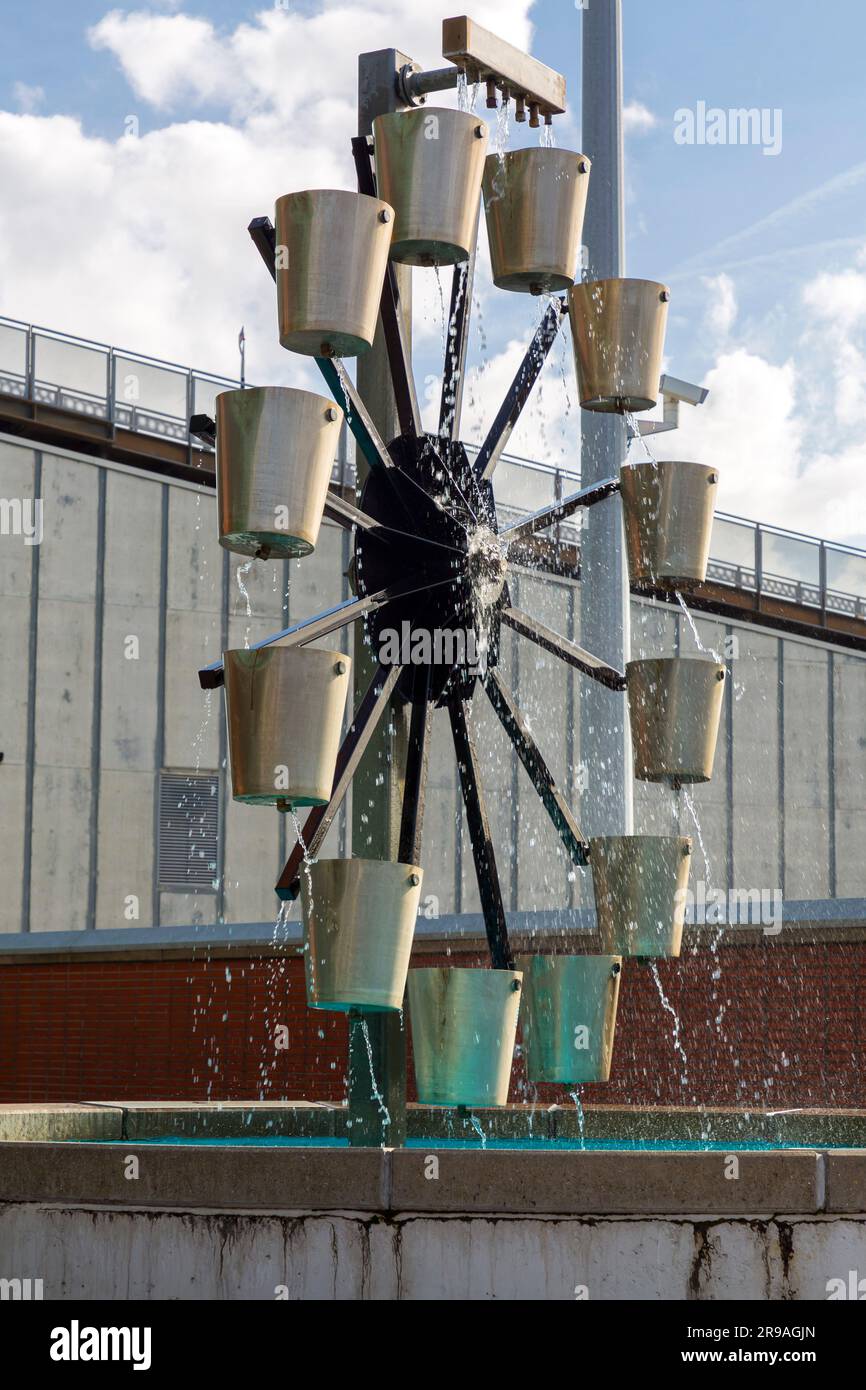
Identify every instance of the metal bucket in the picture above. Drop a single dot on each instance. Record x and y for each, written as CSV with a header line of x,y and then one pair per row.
x,y
332,252
275,450
640,892
668,513
618,332
675,704
568,1016
534,202
464,1024
284,710
359,920
429,164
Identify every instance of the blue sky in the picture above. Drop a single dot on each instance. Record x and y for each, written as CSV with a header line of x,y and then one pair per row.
x,y
765,255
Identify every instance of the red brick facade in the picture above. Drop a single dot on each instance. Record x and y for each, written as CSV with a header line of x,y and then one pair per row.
x,y
792,1031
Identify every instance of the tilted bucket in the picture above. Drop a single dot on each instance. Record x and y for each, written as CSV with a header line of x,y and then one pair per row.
x,y
359,920
568,1016
534,202
331,256
618,332
668,513
284,709
429,164
640,892
275,450
675,704
463,1027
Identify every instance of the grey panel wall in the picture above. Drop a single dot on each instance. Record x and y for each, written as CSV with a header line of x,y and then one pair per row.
x,y
106,622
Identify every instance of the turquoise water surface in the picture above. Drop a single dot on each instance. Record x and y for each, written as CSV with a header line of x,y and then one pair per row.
x,y
657,1145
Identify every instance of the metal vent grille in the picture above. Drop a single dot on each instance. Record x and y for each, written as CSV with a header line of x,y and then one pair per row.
x,y
188,829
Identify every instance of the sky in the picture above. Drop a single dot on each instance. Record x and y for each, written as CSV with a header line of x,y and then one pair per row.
x,y
136,142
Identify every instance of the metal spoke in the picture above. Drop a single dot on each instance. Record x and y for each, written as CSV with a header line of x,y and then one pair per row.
x,y
393,321
417,758
486,872
539,774
557,511
560,646
320,819
324,623
518,392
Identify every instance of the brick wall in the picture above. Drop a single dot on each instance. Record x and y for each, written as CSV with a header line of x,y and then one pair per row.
x,y
792,1031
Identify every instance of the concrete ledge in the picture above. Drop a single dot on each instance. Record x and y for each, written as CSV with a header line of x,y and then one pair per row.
x,y
444,1181
614,1182
846,1180
187,1177
244,1119
28,1122
231,1119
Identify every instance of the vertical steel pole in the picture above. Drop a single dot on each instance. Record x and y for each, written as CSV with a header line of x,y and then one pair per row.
x,y
605,742
377,1042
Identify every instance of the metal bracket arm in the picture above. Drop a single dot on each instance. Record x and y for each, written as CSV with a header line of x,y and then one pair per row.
x,y
486,872
518,393
567,651
319,821
546,516
539,774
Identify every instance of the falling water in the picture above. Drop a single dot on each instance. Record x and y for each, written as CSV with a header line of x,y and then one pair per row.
x,y
476,1125
635,435
699,644
242,572
466,98
546,137
442,312
669,1008
375,1093
501,130
344,386
581,1115
308,860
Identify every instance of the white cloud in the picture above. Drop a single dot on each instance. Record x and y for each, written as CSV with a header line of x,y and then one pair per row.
x,y
153,253
637,119
721,310
27,98
838,298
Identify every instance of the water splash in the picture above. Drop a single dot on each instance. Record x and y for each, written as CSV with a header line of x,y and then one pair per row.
x,y
677,1026
466,96
707,651
476,1125
581,1115
242,572
375,1093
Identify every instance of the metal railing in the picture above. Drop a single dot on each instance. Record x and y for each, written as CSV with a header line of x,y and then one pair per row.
x,y
152,397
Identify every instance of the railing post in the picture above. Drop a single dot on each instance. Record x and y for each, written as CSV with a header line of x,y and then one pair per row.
x,y
112,383
759,564
822,581
30,363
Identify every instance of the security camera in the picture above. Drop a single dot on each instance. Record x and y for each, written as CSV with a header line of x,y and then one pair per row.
x,y
672,388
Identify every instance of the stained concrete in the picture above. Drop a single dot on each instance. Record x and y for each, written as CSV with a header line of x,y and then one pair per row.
x,y
89,1253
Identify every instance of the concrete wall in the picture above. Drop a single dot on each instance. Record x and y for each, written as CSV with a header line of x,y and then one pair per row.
x,y
442,1224
131,562
110,1255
